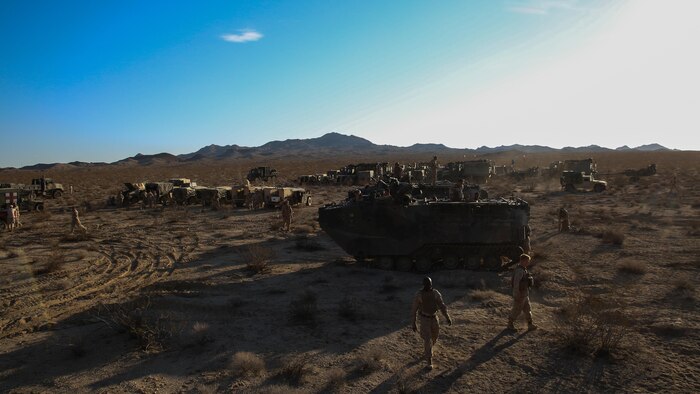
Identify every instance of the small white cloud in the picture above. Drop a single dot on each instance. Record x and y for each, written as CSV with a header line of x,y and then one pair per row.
x,y
540,7
244,36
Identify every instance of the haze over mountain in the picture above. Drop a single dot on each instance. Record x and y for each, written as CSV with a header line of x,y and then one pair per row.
x,y
328,145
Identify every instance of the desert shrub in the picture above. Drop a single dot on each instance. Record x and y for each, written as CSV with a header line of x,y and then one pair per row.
x,y
336,379
54,262
258,259
294,371
153,333
372,361
482,295
611,236
198,335
541,276
635,267
247,364
348,309
304,308
590,325
406,384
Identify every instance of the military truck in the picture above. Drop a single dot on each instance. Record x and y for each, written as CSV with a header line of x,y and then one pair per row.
x,y
220,194
25,200
425,234
474,171
572,181
182,182
162,190
133,192
586,166
261,173
273,196
45,187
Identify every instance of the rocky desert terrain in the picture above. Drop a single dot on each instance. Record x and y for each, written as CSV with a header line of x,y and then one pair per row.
x,y
190,299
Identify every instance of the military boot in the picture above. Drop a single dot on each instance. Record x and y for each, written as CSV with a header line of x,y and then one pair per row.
x,y
511,325
531,326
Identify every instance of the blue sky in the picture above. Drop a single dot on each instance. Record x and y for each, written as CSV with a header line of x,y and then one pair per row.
x,y
103,80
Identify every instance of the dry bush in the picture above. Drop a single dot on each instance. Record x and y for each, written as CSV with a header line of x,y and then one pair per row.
x,y
197,335
245,364
590,325
54,262
348,309
295,371
612,236
258,259
541,276
635,267
482,295
304,309
373,360
406,384
153,333
336,380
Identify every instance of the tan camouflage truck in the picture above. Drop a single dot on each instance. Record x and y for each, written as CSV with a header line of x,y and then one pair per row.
x,y
45,187
572,181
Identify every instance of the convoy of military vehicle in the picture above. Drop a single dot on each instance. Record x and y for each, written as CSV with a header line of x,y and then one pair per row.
x,y
397,216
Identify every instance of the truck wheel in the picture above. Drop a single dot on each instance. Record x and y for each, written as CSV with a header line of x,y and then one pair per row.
x,y
569,188
56,194
598,188
39,207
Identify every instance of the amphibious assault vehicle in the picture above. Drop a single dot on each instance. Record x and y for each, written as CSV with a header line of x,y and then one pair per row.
x,y
425,234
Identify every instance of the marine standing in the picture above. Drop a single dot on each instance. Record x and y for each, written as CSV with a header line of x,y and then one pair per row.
x,y
286,215
75,222
15,216
426,303
521,283
9,217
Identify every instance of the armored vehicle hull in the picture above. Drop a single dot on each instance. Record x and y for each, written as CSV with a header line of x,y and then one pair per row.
x,y
425,235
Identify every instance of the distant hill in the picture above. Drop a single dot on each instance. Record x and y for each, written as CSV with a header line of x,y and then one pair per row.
x,y
326,146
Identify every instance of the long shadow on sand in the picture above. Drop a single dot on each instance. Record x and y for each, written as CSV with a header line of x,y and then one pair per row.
x,y
240,312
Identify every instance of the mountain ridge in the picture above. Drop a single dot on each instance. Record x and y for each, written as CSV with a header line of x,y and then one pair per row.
x,y
332,143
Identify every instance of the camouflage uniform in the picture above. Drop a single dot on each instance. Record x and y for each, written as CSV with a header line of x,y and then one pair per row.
x,y
426,303
9,218
521,283
15,216
287,215
75,222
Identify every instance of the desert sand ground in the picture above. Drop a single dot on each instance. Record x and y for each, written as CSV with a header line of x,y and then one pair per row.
x,y
199,300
